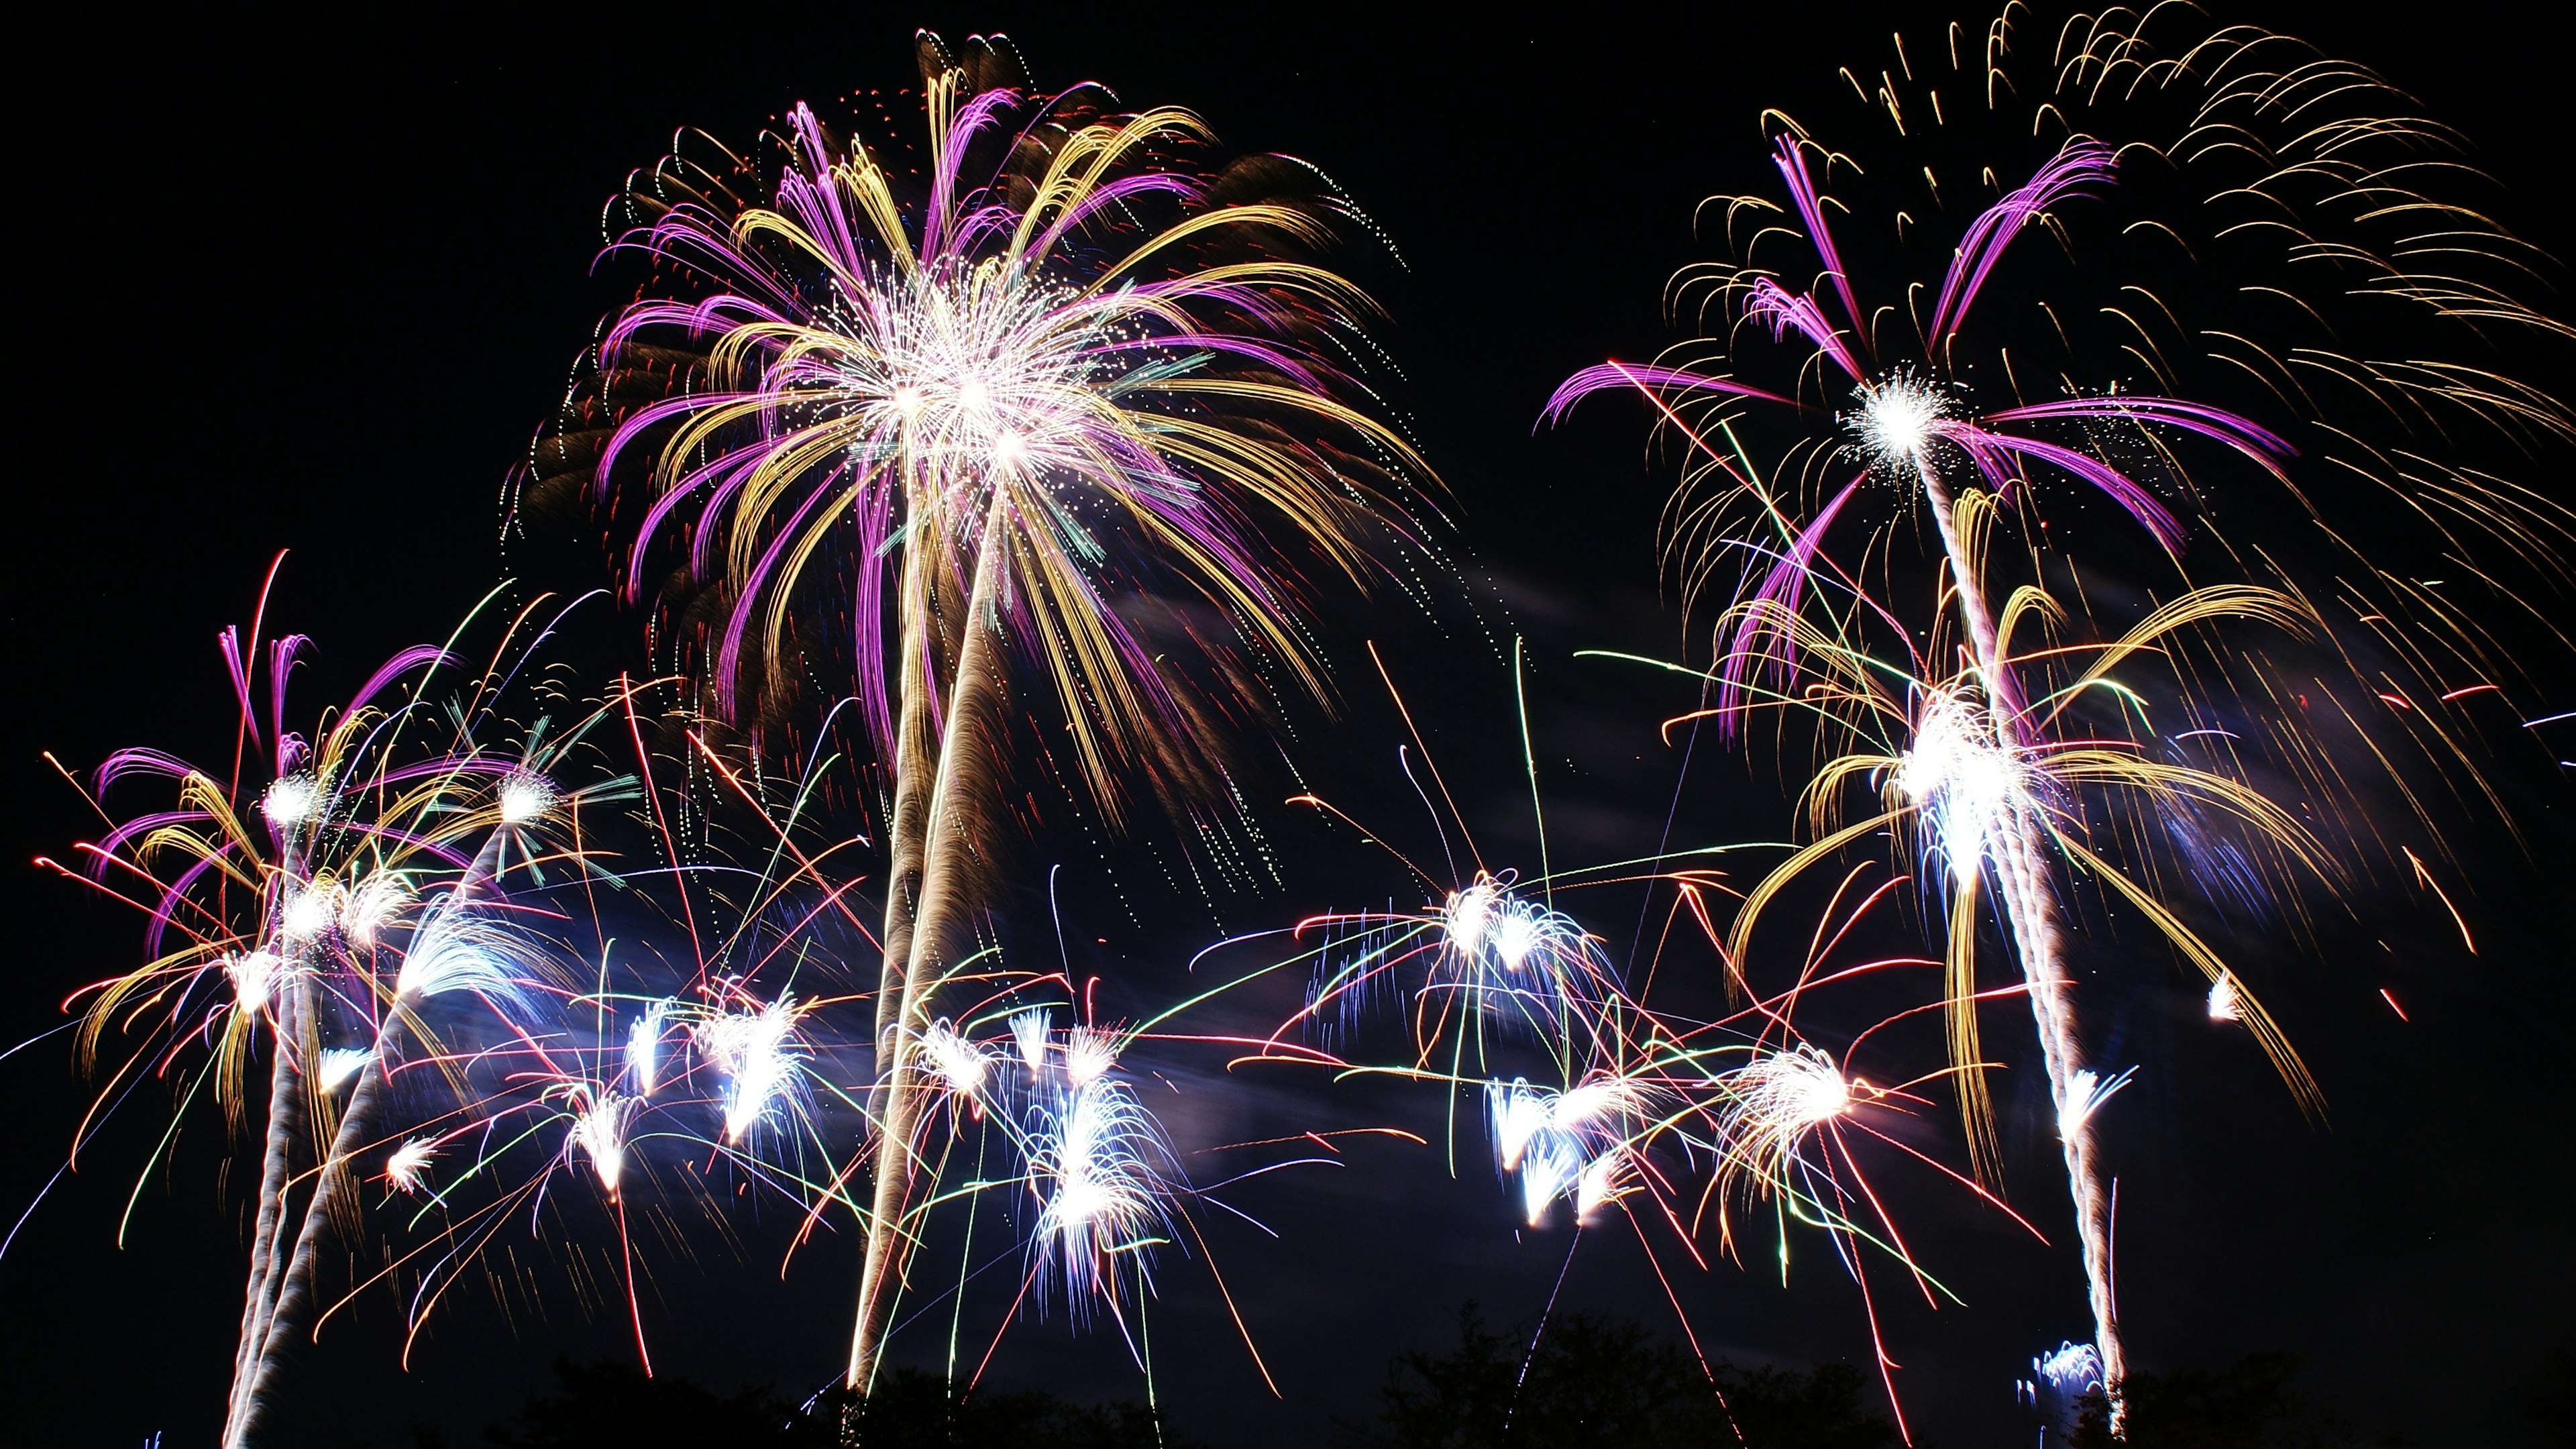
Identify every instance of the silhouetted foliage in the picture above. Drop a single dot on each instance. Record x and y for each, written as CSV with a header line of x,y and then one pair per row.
x,y
2252,1403
1594,1383
610,1405
914,1410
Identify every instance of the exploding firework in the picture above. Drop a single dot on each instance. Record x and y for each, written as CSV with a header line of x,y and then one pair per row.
x,y
1069,367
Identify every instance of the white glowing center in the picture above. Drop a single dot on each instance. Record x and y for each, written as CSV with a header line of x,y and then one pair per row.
x,y
1966,782
1897,419
525,796
289,800
1467,917
308,913
408,1162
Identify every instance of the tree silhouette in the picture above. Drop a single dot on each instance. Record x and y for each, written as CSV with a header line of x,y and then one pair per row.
x,y
2252,1403
1592,1382
612,1405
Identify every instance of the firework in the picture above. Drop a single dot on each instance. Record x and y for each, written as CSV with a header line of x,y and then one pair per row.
x,y
1068,366
326,886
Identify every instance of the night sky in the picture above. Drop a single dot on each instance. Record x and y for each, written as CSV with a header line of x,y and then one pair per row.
x,y
312,286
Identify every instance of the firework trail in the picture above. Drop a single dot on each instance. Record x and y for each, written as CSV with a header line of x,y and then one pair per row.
x,y
1068,368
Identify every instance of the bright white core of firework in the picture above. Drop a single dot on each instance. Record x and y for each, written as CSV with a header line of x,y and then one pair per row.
x,y
1029,1033
600,1131
1896,419
307,913
408,1162
1088,1053
1966,783
2224,1003
2085,1094
753,1048
339,1064
644,1048
1516,936
289,799
373,905
254,975
1467,917
958,1063
525,796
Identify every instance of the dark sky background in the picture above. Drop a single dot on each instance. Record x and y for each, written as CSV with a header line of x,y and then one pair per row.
x,y
311,285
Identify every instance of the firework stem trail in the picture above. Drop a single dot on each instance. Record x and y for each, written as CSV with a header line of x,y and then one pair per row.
x,y
2029,900
914,753
285,1103
294,1291
949,818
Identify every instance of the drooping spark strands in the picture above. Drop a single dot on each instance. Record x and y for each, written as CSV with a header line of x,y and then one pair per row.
x,y
331,885
1069,369
1973,772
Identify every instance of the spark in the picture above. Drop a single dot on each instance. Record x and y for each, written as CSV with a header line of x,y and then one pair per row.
x,y
289,799
254,975
525,796
339,1064
644,1047
404,1168
1088,1053
2086,1091
756,1051
959,1063
2224,1004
